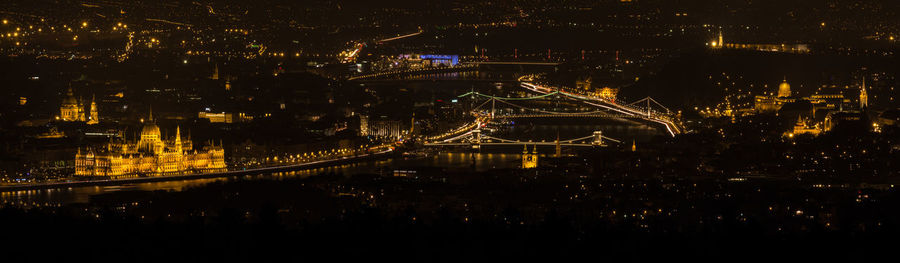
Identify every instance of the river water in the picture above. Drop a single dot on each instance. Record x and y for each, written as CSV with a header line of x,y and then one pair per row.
x,y
450,159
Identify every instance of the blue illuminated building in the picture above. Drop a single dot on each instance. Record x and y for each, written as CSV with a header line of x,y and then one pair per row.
x,y
451,60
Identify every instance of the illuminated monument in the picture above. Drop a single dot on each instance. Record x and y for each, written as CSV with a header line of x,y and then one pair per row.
x,y
721,39
833,103
95,115
719,43
150,155
863,96
72,109
585,83
784,90
770,103
803,127
529,158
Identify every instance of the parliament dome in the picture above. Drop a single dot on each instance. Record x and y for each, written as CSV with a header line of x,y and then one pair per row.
x,y
150,129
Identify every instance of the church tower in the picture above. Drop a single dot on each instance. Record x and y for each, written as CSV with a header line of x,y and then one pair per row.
x,y
863,96
558,146
215,75
81,115
721,43
178,144
95,116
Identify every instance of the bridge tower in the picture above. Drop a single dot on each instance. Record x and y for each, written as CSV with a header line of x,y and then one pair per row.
x,y
493,103
648,108
558,146
476,134
529,158
598,138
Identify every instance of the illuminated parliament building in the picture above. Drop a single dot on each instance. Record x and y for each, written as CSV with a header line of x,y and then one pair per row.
x,y
151,155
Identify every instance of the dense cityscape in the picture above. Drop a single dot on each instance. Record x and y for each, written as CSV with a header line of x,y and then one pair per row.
x,y
457,130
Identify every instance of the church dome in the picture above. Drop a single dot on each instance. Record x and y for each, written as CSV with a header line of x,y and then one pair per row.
x,y
784,90
69,101
70,98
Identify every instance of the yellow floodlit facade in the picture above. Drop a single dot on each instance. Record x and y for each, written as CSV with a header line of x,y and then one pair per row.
x,y
769,103
150,155
73,109
608,93
802,127
784,89
863,95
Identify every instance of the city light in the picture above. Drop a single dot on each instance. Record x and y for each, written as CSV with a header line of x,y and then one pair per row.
x,y
452,130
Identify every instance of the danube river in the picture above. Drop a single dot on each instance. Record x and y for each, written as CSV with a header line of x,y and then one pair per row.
x,y
447,159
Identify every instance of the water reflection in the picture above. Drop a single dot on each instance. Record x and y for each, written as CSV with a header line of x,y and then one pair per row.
x,y
82,194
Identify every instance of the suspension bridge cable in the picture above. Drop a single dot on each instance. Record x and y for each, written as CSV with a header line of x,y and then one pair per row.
x,y
506,98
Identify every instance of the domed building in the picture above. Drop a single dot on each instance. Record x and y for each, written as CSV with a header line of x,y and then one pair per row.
x,y
72,109
151,139
151,155
784,90
773,103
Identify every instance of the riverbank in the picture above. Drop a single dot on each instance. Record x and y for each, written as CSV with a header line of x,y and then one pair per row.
x,y
233,173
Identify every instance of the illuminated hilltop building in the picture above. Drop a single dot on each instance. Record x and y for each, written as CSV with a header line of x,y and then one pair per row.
x,y
784,90
608,93
833,103
786,48
770,103
765,103
585,84
829,98
826,98
863,96
150,155
803,127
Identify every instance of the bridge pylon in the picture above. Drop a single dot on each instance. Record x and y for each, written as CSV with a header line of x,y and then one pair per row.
x,y
598,138
493,106
476,135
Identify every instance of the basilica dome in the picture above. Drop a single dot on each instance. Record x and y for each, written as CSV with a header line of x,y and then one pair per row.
x,y
70,98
